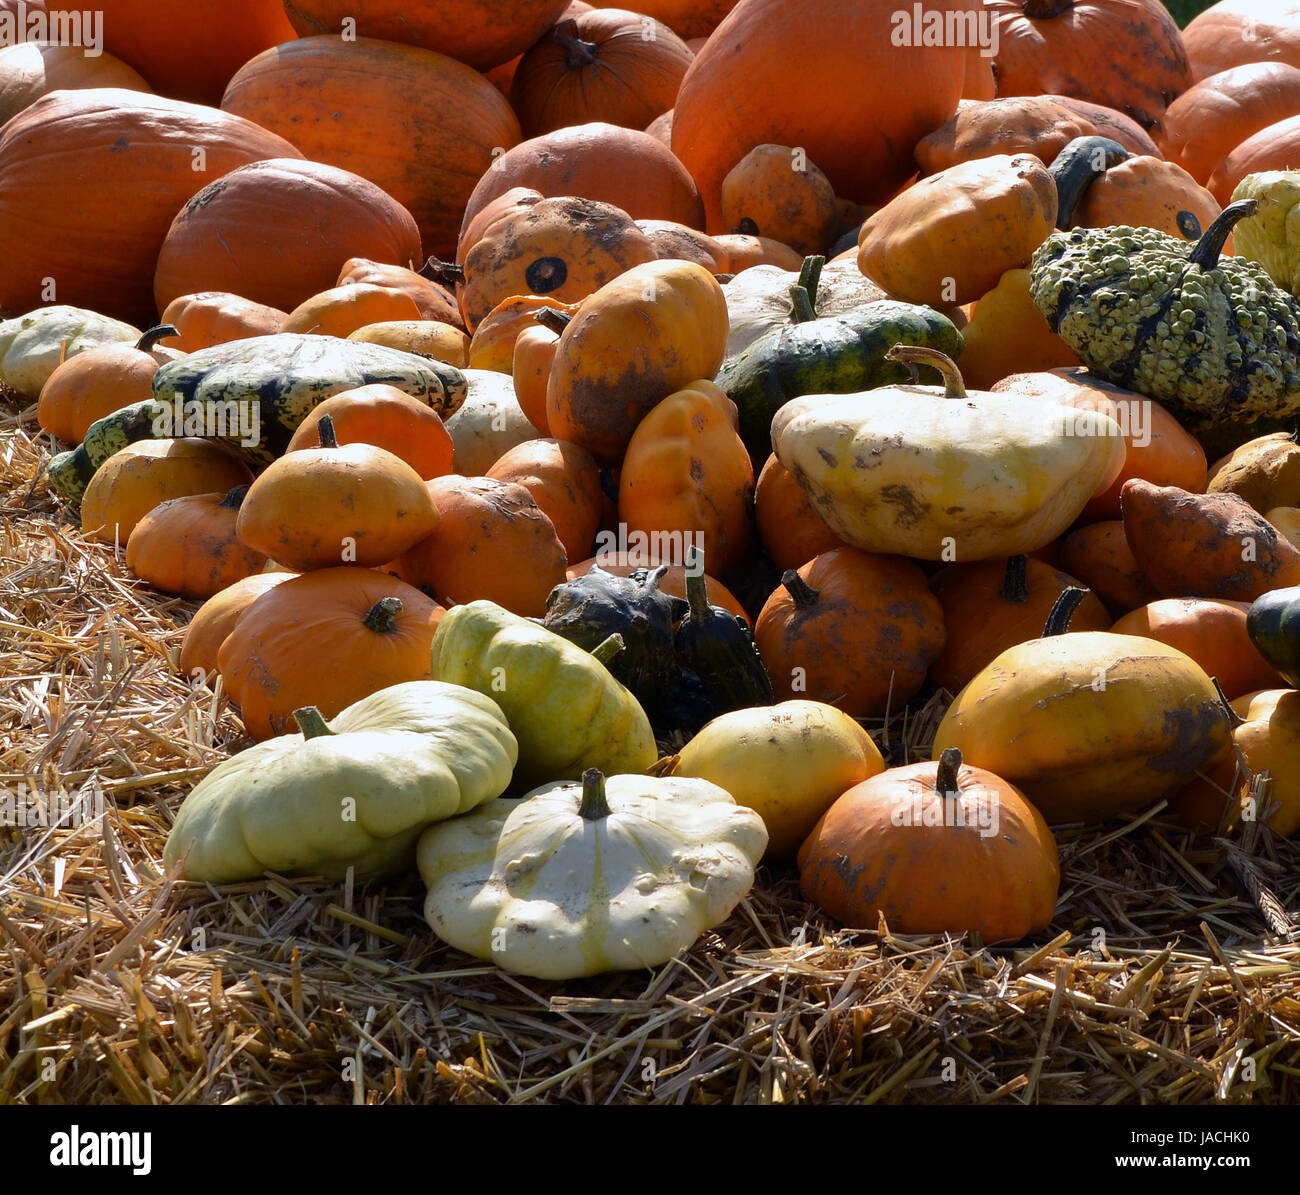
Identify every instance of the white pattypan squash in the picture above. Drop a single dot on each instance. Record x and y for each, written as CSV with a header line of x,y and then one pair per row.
x,y
32,345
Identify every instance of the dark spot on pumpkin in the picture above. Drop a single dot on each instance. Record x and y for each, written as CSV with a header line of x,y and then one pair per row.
x,y
1191,738
827,457
546,274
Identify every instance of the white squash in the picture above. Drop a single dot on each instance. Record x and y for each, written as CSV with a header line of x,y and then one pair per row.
x,y
32,345
489,424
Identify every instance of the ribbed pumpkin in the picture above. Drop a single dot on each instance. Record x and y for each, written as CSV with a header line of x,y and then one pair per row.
x,y
189,50
326,638
776,192
1125,54
435,300
387,418
623,167
1030,124
341,310
276,232
29,70
336,504
1234,32
100,381
215,619
492,541
608,64
846,63
482,33
418,124
89,183
217,317
788,523
564,481
188,546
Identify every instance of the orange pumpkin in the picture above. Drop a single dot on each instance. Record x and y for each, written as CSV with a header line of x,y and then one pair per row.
x,y
853,629
776,192
788,523
387,418
215,317
1005,332
31,69
1099,555
215,619
276,231
99,381
624,564
661,128
564,481
692,19
188,546
493,344
341,310
1274,147
607,64
424,338
1233,32
934,848
738,251
530,368
336,504
672,240
1109,122
416,123
1028,124
492,541
435,300
327,638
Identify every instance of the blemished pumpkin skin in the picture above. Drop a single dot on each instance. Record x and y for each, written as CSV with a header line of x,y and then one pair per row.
x,y
788,762
99,381
325,638
1005,333
776,191
188,546
741,250
416,123
1213,632
509,202
1109,122
676,241
563,248
607,64
341,310
1264,471
1269,738
493,344
788,524
215,317
1088,724
1216,38
1099,555
1147,192
687,470
387,418
1027,124
128,485
600,161
643,336
853,629
530,368
564,481
1210,119
434,300
482,33
1274,147
29,70
1157,449
899,846
89,183
215,619
1205,545
990,605
1125,54
424,338
336,504
623,564
276,231
951,236
725,105
492,542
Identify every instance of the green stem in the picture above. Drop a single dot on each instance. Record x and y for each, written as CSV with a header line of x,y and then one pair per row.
x,y
382,616
802,305
593,806
913,354
154,335
556,321
810,276
607,649
1015,583
804,595
1058,621
1207,250
311,723
325,429
945,780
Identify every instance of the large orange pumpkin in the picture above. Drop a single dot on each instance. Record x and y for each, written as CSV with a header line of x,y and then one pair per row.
x,y
1274,147
481,33
822,74
1235,32
418,124
29,70
89,183
276,232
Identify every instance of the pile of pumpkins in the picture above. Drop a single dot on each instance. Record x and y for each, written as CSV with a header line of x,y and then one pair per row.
x,y
566,565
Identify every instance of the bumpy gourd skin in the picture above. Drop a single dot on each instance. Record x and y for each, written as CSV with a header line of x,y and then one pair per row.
x,y
1219,347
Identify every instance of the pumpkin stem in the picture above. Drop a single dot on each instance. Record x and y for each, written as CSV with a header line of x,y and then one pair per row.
x,y
945,780
593,806
311,723
804,595
446,273
1234,718
747,227
1015,583
953,387
556,321
577,53
154,335
1058,620
803,310
1207,250
325,429
607,649
1077,167
810,276
697,588
1045,10
234,499
382,616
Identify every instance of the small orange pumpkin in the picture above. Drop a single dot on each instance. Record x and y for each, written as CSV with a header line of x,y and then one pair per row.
x,y
344,309
530,367
564,481
430,286
215,317
493,344
1005,332
788,523
774,191
1028,124
1099,555
215,619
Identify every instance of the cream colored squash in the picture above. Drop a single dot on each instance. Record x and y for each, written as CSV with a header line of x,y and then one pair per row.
x,y
489,424
32,345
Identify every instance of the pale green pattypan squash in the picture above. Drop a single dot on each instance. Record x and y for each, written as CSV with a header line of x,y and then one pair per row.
x,y
590,876
32,345
354,793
